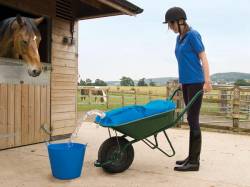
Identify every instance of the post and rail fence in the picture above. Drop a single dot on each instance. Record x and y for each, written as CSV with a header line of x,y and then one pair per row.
x,y
225,107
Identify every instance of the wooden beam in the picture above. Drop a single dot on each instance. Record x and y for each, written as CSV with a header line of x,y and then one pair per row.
x,y
117,7
93,3
101,15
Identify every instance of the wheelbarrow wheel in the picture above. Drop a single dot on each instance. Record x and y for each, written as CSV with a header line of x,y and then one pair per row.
x,y
112,156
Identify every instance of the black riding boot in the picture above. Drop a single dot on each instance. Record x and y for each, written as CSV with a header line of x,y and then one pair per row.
x,y
181,162
194,157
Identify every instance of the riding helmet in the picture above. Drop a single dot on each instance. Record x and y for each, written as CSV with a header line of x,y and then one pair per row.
x,y
175,14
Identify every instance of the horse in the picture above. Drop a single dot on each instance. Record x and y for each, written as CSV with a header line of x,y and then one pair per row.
x,y
85,92
20,38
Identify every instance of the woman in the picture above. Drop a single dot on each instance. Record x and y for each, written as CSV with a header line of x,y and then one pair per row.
x,y
193,77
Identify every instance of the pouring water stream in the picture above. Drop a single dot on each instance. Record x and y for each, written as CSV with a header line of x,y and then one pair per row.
x,y
85,117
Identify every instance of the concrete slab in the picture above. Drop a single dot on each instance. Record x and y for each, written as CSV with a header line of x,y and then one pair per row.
x,y
225,162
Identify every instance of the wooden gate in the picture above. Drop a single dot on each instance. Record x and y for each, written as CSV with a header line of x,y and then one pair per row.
x,y
24,107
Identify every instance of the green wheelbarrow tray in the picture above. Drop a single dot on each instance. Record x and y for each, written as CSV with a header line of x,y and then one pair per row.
x,y
145,127
139,130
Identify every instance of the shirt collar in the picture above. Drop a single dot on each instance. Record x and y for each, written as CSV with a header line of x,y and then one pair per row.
x,y
185,35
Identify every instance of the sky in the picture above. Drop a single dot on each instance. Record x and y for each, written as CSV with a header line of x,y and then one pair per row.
x,y
141,46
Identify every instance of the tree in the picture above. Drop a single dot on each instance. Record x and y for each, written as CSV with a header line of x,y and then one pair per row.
x,y
242,82
82,83
88,82
126,81
142,82
151,83
99,82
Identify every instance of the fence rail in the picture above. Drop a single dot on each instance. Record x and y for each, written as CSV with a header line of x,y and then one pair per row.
x,y
225,106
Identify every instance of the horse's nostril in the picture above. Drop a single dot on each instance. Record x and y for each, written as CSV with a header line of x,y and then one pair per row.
x,y
36,72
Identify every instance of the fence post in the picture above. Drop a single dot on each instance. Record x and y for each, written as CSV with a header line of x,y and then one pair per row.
x,y
167,90
135,97
123,98
107,98
149,95
80,90
179,106
223,99
248,111
89,96
179,101
236,107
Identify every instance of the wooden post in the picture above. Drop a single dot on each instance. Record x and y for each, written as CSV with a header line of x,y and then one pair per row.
x,y
179,107
223,99
248,111
107,97
149,95
176,84
135,97
167,90
123,103
80,90
236,107
89,96
179,100
248,106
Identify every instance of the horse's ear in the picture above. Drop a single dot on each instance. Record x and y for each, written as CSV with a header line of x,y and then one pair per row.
x,y
37,21
19,20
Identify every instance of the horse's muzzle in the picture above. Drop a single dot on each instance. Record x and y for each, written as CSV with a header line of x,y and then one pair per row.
x,y
34,72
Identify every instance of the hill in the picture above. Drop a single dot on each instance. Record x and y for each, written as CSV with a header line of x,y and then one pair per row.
x,y
230,76
217,77
159,81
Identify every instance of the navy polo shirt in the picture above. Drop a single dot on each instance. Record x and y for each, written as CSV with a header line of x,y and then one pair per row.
x,y
187,50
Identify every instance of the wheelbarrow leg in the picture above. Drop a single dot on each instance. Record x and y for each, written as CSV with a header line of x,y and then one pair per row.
x,y
155,145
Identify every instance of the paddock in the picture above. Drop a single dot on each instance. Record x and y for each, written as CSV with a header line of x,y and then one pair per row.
x,y
98,93
35,109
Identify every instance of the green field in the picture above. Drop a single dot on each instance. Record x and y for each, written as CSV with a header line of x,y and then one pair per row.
x,y
115,101
144,95
123,96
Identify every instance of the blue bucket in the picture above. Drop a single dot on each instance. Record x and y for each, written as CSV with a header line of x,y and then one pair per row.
x,y
66,159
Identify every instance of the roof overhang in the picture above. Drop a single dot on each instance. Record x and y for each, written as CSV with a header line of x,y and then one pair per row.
x,y
88,9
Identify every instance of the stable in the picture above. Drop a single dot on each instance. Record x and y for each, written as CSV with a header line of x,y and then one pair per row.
x,y
32,106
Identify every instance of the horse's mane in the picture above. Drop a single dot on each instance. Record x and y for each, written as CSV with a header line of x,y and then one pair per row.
x,y
5,26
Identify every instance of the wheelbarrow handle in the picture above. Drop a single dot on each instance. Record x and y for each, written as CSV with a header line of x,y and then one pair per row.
x,y
195,97
173,94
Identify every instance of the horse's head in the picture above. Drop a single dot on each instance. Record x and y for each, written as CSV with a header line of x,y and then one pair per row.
x,y
27,38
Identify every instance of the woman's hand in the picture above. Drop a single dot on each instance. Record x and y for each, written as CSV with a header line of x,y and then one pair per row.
x,y
207,87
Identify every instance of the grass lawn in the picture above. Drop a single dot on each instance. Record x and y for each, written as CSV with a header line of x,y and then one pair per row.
x,y
117,100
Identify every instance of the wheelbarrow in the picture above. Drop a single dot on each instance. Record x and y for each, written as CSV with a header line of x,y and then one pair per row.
x,y
116,154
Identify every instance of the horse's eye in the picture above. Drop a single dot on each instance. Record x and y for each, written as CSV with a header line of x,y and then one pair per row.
x,y
24,42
